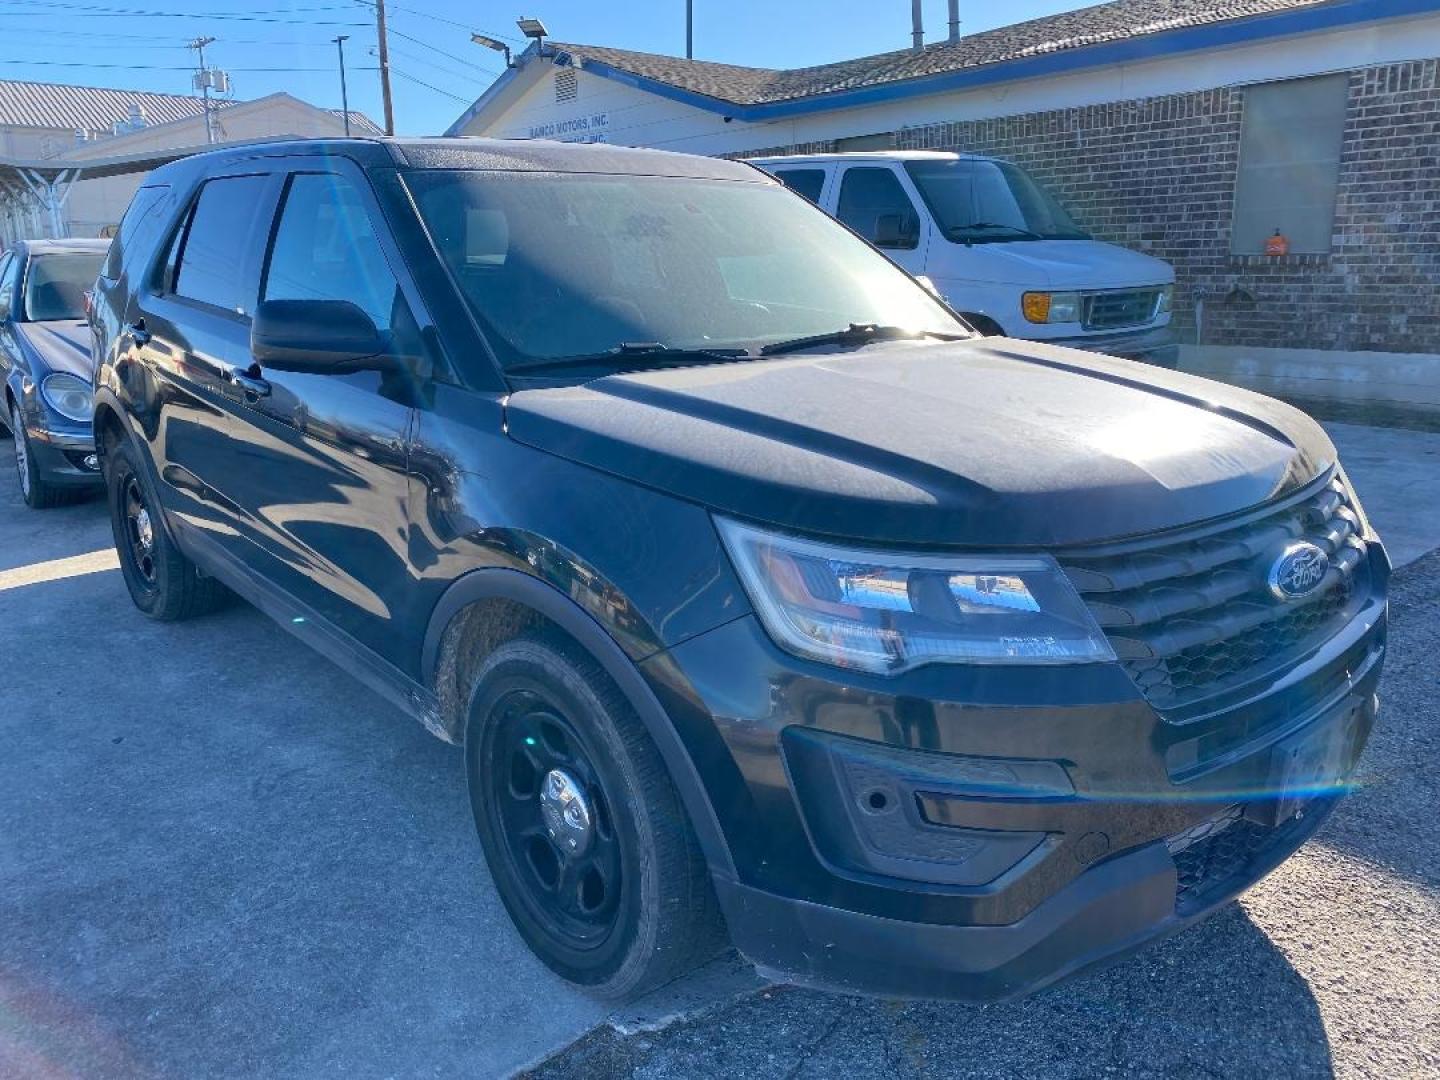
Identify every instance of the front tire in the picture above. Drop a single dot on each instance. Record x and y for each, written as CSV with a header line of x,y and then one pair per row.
x,y
585,834
163,583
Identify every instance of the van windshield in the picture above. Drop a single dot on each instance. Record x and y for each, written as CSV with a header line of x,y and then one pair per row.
x,y
975,201
585,265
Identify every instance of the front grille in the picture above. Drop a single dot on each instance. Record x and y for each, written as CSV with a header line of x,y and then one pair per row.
x,y
1118,308
1192,618
1227,855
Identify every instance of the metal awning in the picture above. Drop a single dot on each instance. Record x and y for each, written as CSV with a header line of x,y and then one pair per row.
x,y
45,184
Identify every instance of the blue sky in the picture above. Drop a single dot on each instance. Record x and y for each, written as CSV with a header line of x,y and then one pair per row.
x,y
286,44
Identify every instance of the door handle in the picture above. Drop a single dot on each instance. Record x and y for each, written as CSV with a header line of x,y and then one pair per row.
x,y
137,332
250,382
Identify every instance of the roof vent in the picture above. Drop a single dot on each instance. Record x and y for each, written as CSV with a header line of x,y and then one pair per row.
x,y
567,86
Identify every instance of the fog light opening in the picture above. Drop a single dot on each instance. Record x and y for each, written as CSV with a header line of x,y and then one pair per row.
x,y
876,801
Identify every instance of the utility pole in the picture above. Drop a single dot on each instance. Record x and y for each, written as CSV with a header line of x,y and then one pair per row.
x,y
204,79
344,96
689,29
384,67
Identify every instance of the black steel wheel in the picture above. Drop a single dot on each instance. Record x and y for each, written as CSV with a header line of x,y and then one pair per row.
x,y
163,583
586,836
553,814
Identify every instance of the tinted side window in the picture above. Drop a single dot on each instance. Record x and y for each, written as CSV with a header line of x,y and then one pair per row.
x,y
325,248
807,182
224,218
139,225
872,202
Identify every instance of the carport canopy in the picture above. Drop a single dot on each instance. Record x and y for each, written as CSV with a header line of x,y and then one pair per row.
x,y
46,183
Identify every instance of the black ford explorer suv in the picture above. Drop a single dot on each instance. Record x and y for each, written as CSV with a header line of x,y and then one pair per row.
x,y
763,595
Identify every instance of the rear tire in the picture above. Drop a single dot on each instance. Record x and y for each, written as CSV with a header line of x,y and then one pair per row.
x,y
163,583
35,489
613,894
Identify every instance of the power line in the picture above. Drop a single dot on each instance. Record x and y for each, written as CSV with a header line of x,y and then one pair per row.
x,y
420,82
153,67
474,76
27,31
61,10
460,59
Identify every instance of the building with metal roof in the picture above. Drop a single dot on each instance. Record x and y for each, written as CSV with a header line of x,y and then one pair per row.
x,y
71,156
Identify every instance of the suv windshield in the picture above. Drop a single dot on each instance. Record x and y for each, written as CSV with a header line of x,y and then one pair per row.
x,y
589,265
978,201
55,285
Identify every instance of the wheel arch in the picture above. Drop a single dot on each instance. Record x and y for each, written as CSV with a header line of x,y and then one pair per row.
x,y
512,600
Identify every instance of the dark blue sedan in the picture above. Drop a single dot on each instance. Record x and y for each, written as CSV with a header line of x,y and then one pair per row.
x,y
45,365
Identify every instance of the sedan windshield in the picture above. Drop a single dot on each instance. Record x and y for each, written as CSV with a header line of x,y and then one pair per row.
x,y
638,270
978,201
55,285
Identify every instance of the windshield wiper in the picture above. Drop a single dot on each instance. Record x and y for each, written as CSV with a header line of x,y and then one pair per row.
x,y
973,225
856,334
627,351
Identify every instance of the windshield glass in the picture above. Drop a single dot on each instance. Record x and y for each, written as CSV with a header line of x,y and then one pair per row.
x,y
576,265
55,285
977,201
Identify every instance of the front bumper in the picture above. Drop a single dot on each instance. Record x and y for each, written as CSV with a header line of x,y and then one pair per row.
x,y
979,833
65,455
1155,345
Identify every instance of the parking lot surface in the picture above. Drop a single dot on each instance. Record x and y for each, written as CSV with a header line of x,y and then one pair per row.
x,y
220,856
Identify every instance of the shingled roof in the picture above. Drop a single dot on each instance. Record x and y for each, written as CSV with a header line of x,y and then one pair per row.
x,y
1116,21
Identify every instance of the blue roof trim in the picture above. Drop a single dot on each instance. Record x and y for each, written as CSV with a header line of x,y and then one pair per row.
x,y
1168,43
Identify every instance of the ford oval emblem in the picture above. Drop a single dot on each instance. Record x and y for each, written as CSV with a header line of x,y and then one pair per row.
x,y
1298,571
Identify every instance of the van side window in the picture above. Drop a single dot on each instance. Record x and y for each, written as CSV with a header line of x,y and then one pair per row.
x,y
325,248
807,182
873,203
139,223
211,270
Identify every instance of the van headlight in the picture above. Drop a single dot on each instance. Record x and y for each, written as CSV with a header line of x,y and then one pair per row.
x,y
1165,303
68,396
1047,307
888,612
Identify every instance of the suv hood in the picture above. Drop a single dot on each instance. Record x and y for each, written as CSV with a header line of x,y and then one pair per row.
x,y
984,443
1056,264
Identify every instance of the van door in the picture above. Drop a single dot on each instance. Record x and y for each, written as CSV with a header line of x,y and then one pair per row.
x,y
323,503
874,202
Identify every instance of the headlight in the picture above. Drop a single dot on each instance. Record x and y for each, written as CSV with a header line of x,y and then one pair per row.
x,y
1044,307
68,396
887,613
1167,300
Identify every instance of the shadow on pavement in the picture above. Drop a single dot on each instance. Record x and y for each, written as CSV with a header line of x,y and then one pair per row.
x,y
1218,1000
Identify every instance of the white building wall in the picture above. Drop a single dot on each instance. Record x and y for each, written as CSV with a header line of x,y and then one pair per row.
x,y
638,118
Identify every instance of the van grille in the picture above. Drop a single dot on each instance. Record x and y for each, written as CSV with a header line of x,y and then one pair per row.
x,y
1118,308
1192,618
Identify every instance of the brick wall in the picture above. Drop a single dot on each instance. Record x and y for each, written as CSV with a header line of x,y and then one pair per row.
x,y
1158,175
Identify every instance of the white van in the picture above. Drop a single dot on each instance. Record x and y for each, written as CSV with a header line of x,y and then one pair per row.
x,y
998,246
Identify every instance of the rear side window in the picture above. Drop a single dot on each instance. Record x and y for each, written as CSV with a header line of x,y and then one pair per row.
x,y
873,203
141,222
211,269
807,182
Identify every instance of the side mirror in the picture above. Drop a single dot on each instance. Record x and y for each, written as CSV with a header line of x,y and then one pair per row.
x,y
896,231
317,336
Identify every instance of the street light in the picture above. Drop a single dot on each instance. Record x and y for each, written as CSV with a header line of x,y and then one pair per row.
x,y
492,43
532,28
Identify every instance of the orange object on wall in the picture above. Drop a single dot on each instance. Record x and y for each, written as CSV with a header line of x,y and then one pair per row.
x,y
1277,245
